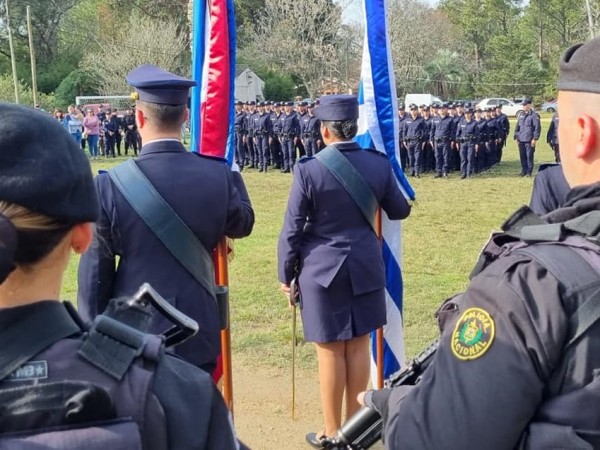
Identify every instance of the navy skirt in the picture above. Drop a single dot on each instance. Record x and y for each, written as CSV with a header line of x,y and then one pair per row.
x,y
335,313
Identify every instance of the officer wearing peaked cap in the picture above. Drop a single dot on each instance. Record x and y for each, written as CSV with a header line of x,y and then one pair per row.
x,y
208,197
518,358
341,275
79,395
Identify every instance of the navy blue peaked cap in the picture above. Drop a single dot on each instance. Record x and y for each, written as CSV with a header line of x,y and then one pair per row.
x,y
156,85
337,108
42,167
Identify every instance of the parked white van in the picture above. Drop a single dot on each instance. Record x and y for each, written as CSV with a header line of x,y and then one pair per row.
x,y
421,99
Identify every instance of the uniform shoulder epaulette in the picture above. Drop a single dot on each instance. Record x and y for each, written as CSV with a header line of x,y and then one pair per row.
x,y
211,157
545,166
304,159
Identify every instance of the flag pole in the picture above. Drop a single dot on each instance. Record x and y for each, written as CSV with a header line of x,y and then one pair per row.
x,y
222,279
379,334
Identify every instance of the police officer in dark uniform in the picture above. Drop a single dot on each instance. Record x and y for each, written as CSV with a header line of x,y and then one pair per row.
x,y
552,136
55,393
341,276
290,129
263,133
427,156
467,135
131,134
402,115
442,137
275,141
493,132
550,189
504,123
111,128
414,131
527,133
517,364
481,148
458,117
251,121
315,129
239,129
207,196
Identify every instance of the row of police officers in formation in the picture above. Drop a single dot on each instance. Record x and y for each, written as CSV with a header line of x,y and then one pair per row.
x,y
447,137
272,133
440,138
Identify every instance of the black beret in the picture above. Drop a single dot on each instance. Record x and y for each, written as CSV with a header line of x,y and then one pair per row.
x,y
444,105
469,110
239,103
42,167
401,106
288,104
276,104
527,101
302,104
251,103
337,108
579,68
412,106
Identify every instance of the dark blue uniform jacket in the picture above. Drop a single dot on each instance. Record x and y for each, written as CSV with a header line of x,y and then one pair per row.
x,y
324,228
213,202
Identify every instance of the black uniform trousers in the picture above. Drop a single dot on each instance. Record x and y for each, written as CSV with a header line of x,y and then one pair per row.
x,y
131,140
310,145
414,156
403,156
467,157
250,150
240,150
275,148
288,151
526,151
110,142
442,152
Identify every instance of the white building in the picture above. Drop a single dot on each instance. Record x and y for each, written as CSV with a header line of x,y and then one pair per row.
x,y
248,85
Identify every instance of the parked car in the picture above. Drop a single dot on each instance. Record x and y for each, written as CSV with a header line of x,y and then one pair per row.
x,y
549,106
509,108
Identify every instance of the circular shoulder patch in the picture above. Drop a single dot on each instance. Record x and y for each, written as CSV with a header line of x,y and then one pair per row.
x,y
473,334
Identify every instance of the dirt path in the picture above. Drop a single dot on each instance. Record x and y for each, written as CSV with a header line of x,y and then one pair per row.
x,y
262,406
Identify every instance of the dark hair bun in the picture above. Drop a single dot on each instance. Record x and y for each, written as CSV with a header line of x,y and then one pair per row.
x,y
8,247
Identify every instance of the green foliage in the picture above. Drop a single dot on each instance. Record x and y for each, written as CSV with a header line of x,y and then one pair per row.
x,y
444,75
7,94
78,82
512,69
278,87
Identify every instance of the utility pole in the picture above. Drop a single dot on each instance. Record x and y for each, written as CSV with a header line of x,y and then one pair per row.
x,y
590,18
32,57
12,54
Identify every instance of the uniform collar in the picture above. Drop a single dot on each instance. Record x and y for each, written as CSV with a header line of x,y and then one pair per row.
x,y
162,146
346,145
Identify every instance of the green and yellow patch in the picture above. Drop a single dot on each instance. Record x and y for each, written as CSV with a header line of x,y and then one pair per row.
x,y
473,334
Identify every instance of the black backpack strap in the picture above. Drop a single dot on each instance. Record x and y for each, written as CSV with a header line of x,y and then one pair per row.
x,y
578,277
112,346
352,181
168,227
51,321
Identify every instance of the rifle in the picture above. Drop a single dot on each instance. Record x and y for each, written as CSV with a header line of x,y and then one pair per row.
x,y
365,428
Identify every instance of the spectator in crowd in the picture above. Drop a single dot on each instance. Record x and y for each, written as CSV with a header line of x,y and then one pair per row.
x,y
91,126
74,122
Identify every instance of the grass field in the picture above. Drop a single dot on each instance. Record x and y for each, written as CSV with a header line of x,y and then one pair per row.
x,y
449,224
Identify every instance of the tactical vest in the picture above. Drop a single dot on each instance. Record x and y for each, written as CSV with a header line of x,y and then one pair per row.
x,y
87,390
569,414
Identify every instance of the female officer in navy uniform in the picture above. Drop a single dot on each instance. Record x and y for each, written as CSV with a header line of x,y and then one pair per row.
x,y
341,274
